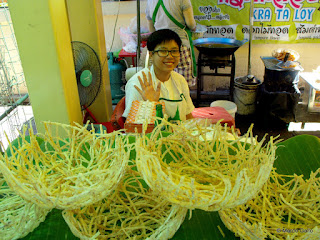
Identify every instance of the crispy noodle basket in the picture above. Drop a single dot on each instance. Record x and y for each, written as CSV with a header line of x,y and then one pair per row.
x,y
287,207
17,217
132,212
71,169
195,172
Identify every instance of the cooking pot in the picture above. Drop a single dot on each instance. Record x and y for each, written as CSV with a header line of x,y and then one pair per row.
x,y
218,46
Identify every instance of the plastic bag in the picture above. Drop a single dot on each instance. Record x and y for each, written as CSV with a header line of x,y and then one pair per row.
x,y
143,26
128,35
129,40
130,47
199,32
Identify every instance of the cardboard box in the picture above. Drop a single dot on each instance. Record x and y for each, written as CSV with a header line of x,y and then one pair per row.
x,y
314,100
140,113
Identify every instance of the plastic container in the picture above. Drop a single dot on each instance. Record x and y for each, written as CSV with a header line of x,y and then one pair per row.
x,y
281,52
132,71
231,107
215,114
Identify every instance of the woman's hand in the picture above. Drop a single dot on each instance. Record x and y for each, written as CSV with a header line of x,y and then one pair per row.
x,y
147,91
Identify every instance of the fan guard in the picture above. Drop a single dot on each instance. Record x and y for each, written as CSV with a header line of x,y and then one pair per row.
x,y
88,72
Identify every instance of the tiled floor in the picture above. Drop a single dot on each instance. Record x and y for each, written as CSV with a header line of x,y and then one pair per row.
x,y
306,123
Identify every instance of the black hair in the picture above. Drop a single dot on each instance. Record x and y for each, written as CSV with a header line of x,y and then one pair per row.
x,y
160,36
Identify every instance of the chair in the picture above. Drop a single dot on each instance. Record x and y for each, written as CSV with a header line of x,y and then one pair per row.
x,y
117,121
89,117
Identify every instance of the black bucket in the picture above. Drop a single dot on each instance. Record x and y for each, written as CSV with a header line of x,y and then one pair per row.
x,y
276,109
283,80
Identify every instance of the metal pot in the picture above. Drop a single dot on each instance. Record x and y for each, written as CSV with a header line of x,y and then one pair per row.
x,y
218,46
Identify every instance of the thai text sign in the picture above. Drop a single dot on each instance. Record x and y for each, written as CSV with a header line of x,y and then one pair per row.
x,y
285,21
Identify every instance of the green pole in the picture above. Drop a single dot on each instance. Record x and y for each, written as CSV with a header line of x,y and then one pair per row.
x,y
16,104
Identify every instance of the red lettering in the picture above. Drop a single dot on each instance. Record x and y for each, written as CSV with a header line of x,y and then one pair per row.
x,y
278,4
296,3
236,3
232,3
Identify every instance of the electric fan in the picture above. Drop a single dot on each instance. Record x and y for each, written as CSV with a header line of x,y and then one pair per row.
x,y
88,73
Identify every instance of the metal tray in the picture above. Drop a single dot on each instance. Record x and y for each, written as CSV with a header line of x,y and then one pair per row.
x,y
218,46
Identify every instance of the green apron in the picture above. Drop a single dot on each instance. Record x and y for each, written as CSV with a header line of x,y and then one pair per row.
x,y
160,3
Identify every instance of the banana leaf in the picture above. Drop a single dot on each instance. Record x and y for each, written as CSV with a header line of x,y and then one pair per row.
x,y
299,154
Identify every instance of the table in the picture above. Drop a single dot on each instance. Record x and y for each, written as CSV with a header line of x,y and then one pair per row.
x,y
311,78
312,90
291,158
216,64
133,55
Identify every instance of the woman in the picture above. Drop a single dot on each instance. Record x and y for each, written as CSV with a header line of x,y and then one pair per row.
x,y
160,82
176,15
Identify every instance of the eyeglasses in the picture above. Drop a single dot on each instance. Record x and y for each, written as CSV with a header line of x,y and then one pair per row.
x,y
165,53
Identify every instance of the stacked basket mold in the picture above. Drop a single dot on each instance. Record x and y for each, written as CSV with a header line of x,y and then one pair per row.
x,y
123,187
48,171
18,216
211,170
287,207
86,175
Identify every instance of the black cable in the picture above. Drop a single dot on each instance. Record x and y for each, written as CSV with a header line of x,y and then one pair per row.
x,y
114,33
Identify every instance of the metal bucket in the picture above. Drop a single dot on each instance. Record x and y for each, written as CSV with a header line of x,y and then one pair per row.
x,y
245,95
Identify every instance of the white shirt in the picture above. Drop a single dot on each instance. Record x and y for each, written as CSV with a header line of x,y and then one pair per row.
x,y
174,93
175,8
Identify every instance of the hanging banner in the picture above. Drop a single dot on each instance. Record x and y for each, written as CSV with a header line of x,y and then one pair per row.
x,y
275,21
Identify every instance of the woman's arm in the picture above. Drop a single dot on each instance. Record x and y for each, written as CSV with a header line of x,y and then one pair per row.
x,y
189,18
151,26
146,89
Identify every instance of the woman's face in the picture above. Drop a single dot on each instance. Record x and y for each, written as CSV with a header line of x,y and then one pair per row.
x,y
165,64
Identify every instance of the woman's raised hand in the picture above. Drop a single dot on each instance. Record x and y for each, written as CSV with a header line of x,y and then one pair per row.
x,y
147,91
